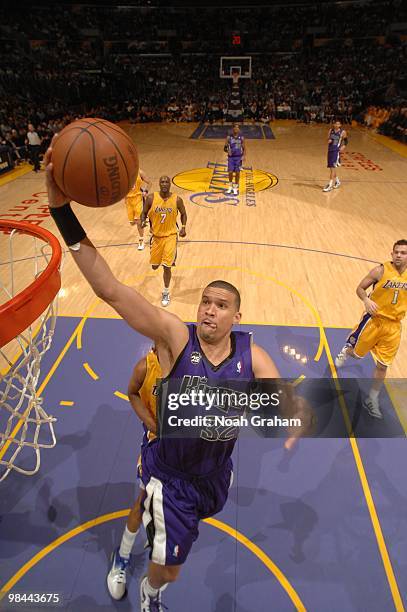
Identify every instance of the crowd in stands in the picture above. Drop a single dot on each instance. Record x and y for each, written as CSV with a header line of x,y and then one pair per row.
x,y
206,29
310,63
395,125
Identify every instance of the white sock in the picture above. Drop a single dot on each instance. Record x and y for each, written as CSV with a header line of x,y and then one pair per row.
x,y
331,182
166,290
127,543
151,591
374,394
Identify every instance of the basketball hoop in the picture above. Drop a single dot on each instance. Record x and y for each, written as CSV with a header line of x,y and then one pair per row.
x,y
27,322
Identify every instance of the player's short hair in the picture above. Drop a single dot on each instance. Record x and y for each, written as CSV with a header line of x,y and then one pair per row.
x,y
401,242
221,284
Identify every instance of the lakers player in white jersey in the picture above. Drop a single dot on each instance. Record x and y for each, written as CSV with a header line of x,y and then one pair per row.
x,y
379,330
161,209
134,204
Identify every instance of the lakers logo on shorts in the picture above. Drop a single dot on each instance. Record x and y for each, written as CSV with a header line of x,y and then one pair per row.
x,y
210,184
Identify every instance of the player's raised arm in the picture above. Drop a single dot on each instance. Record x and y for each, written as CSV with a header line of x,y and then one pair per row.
x,y
145,318
146,180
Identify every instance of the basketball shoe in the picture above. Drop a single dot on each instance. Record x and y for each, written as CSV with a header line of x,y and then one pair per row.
x,y
165,299
148,603
337,183
140,245
116,578
372,407
341,357
328,187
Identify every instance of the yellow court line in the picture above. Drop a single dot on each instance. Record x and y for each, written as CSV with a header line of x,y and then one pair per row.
x,y
121,395
81,325
40,390
105,518
260,554
58,542
89,370
64,403
388,568
299,380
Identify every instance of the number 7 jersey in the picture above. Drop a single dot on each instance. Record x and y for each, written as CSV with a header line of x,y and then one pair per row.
x,y
163,215
390,293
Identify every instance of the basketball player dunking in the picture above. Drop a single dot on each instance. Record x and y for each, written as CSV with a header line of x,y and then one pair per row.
x,y
186,479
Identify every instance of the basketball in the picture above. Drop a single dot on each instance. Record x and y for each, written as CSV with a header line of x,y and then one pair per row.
x,y
95,162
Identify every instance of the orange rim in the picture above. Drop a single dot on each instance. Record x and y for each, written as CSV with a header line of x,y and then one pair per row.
x,y
23,309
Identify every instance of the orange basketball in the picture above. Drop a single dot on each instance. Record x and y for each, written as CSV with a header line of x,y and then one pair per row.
x,y
95,162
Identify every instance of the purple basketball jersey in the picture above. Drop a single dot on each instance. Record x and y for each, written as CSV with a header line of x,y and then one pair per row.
x,y
336,140
235,145
201,456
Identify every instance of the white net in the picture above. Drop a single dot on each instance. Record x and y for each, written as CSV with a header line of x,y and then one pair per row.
x,y
25,427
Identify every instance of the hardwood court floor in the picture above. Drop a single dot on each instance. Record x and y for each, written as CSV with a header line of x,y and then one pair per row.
x,y
297,255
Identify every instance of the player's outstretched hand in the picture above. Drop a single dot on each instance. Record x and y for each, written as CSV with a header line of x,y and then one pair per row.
x,y
56,197
182,232
371,306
